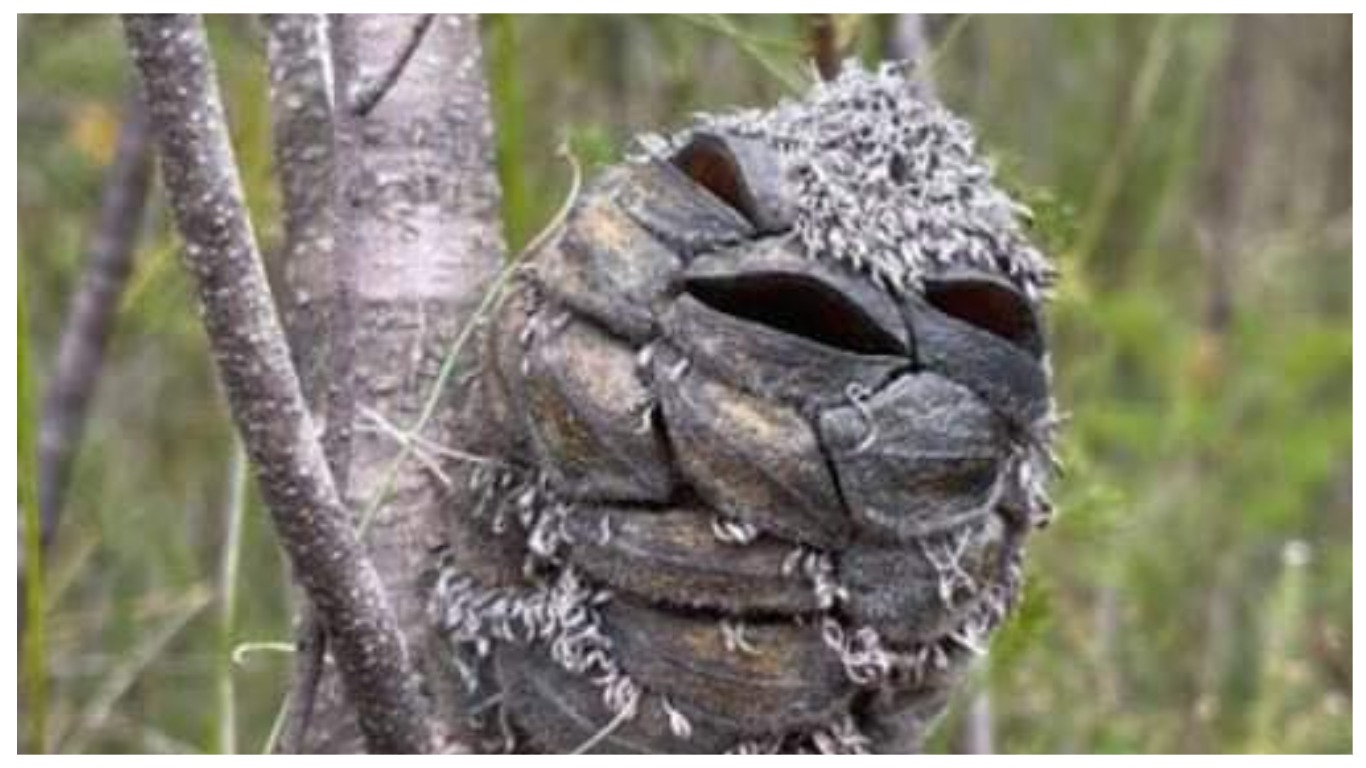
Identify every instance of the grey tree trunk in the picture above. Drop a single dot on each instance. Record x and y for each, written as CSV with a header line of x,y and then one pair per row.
x,y
418,240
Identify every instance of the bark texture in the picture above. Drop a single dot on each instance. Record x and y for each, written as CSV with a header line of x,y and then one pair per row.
x,y
301,122
80,352
418,242
267,403
298,60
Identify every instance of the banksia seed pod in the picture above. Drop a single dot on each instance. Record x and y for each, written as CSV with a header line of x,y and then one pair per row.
x,y
777,409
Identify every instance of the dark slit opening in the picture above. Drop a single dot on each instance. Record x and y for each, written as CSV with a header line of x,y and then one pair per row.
x,y
707,161
994,308
797,305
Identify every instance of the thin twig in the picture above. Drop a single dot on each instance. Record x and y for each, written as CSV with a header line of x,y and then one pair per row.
x,y
200,176
369,94
121,679
602,733
297,709
424,444
418,446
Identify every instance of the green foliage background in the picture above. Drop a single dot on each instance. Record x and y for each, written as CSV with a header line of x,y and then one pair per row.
x,y
1193,593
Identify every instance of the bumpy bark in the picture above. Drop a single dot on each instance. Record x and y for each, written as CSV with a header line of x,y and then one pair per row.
x,y
267,404
417,245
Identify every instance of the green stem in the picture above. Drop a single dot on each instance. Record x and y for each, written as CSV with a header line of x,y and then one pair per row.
x,y
946,43
752,46
227,600
1141,98
34,672
505,90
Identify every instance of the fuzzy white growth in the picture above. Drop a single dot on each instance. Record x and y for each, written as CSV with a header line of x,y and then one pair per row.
x,y
561,616
886,181
858,395
869,662
865,661
819,569
1034,463
733,637
841,737
679,725
733,531
946,557
509,495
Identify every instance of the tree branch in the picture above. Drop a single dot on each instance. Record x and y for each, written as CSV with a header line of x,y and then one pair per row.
x,y
367,91
267,404
80,352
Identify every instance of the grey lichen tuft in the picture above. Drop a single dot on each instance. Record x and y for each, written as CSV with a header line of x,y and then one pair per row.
x,y
886,180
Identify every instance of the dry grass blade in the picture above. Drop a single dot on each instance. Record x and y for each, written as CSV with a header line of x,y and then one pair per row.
x,y
755,47
227,599
122,678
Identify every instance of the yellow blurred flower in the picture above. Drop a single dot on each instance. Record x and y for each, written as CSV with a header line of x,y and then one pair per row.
x,y
92,131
